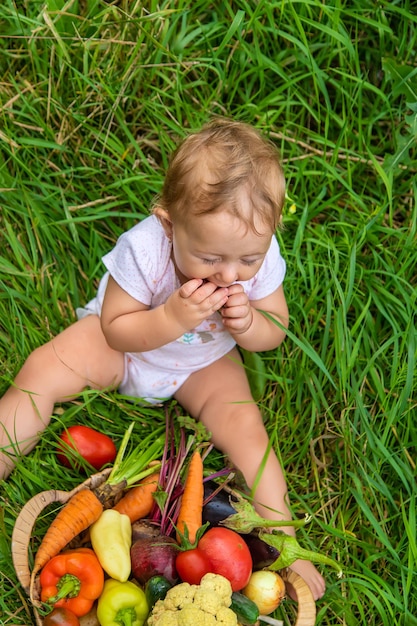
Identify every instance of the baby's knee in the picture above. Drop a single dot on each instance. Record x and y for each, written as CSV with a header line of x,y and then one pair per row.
x,y
37,363
39,355
237,426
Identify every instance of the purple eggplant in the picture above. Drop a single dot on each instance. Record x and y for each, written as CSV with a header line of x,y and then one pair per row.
x,y
216,508
262,554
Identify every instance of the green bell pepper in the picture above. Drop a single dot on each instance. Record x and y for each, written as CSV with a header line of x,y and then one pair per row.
x,y
122,604
111,538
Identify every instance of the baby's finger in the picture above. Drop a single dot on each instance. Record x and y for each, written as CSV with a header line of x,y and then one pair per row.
x,y
209,291
237,299
234,311
187,289
215,300
235,288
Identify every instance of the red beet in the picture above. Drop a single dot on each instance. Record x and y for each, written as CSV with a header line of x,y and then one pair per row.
x,y
154,556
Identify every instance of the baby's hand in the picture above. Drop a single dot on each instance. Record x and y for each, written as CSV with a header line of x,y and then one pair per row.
x,y
237,312
194,302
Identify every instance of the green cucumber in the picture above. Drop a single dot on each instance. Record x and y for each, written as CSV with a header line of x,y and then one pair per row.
x,y
156,589
247,612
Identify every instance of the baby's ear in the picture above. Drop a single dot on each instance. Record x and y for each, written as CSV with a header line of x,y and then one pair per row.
x,y
165,220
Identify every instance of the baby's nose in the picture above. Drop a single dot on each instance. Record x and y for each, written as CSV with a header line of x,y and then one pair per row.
x,y
228,274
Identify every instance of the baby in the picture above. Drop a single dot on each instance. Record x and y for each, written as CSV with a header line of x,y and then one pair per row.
x,y
184,289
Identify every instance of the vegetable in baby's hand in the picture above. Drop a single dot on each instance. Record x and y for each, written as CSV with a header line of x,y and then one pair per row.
x,y
94,447
122,604
111,538
73,579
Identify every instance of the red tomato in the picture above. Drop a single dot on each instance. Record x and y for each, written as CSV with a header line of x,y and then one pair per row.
x,y
96,448
191,566
225,553
228,554
61,617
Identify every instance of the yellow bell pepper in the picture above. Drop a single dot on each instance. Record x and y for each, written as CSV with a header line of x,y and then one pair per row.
x,y
111,538
122,604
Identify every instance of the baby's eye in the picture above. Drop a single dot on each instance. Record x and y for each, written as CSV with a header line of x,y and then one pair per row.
x,y
249,262
209,261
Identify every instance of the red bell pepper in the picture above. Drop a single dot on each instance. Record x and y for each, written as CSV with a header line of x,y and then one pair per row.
x,y
73,580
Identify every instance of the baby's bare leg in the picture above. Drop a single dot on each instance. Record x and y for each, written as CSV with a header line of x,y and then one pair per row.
x,y
220,397
77,358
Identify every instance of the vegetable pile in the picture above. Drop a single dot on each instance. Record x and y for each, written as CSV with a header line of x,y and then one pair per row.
x,y
159,544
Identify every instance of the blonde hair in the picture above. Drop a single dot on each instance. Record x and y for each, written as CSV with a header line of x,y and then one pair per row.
x,y
213,167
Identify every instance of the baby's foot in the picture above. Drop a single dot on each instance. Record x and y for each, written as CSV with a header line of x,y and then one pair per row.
x,y
311,576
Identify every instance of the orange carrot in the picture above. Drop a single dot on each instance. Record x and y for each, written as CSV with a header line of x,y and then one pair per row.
x,y
138,501
191,509
81,510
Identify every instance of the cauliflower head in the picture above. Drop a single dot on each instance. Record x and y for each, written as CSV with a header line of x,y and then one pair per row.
x,y
219,585
206,604
179,596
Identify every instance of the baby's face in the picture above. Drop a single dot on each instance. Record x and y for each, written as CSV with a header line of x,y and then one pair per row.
x,y
218,247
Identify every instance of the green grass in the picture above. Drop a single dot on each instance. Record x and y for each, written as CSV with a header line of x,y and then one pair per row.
x,y
92,100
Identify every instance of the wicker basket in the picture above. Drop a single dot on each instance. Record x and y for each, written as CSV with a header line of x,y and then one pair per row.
x,y
22,534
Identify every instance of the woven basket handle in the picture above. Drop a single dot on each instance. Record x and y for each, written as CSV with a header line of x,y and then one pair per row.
x,y
306,611
27,517
23,527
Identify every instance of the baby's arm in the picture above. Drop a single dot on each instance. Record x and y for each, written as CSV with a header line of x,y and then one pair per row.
x,y
250,328
131,326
